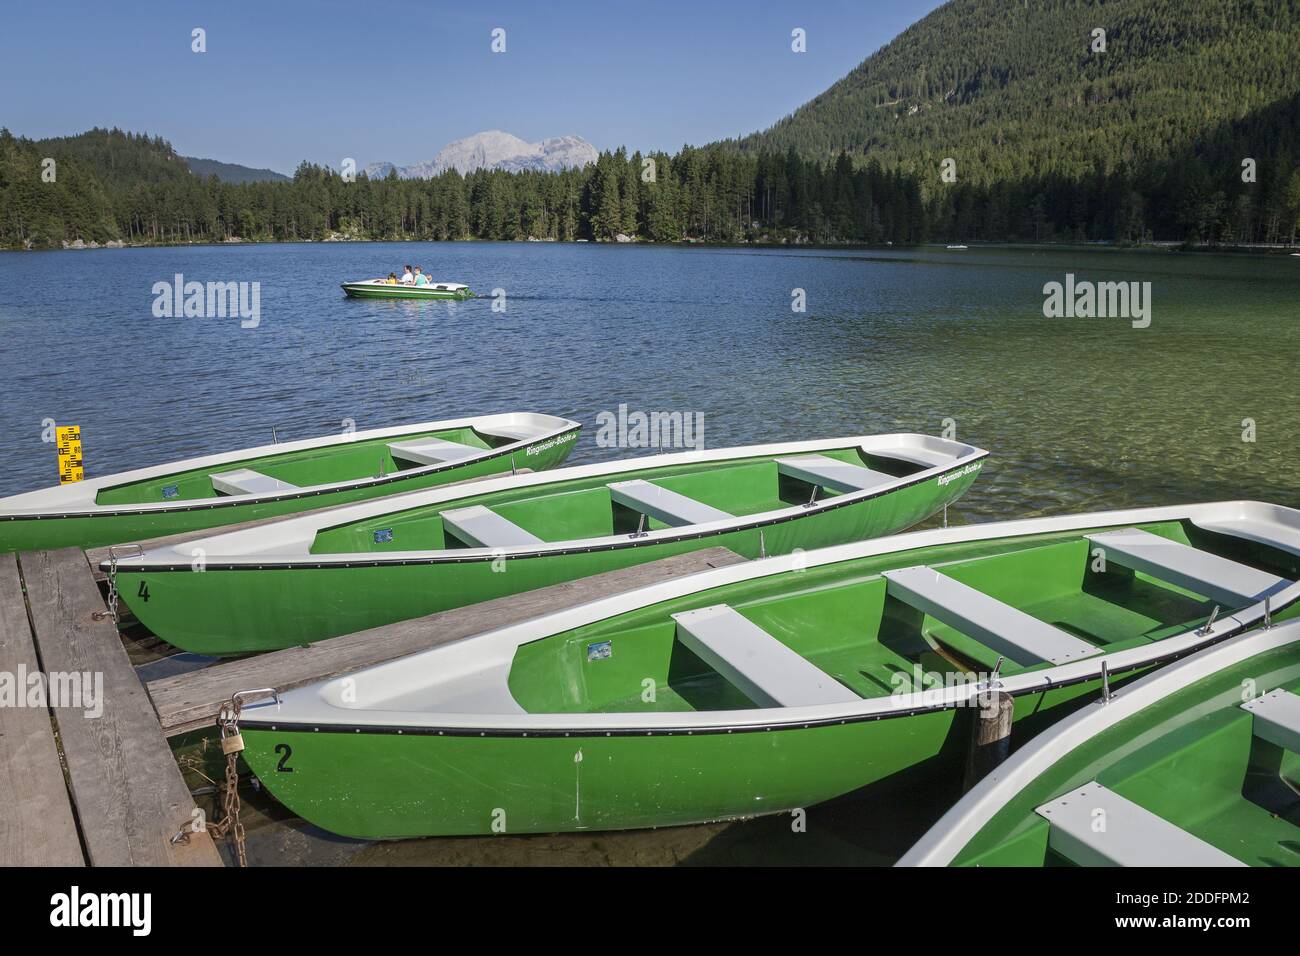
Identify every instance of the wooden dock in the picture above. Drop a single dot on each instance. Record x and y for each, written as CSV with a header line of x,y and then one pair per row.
x,y
105,790
92,780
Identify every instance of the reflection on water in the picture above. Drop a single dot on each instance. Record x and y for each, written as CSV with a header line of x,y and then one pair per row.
x,y
1080,414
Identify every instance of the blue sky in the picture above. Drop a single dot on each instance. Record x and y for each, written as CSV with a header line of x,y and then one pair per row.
x,y
377,80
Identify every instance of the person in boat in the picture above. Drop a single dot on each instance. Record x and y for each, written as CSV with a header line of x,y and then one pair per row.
x,y
392,278
407,277
420,277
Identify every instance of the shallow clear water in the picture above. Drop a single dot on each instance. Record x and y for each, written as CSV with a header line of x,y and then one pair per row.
x,y
1080,414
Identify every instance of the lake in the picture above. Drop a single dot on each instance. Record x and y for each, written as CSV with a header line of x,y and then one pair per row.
x,y
1079,413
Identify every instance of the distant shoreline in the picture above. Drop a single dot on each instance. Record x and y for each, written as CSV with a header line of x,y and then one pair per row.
x,y
1108,246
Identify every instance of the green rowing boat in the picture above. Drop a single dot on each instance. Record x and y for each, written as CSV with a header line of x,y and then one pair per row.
x,y
304,579
1196,765
280,479
768,686
379,289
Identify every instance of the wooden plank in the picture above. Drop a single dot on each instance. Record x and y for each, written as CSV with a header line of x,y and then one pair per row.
x,y
96,555
129,795
190,701
37,826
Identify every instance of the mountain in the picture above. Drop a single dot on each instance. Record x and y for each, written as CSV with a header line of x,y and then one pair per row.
x,y
1185,129
1015,89
496,150
233,172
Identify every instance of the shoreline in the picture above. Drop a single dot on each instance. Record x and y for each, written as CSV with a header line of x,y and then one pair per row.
x,y
970,245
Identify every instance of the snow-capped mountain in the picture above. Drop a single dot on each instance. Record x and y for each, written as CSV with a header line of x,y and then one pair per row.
x,y
496,150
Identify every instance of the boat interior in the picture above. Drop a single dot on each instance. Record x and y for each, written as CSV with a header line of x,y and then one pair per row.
x,y
648,499
1199,779
904,621
341,461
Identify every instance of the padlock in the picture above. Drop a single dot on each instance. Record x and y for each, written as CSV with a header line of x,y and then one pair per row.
x,y
232,744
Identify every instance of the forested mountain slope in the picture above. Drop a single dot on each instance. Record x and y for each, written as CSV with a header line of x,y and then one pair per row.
x,y
1013,88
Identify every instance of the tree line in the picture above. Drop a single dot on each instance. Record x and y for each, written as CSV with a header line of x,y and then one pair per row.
x,y
110,185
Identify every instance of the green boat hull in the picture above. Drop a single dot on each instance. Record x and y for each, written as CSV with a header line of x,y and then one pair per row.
x,y
224,611
699,747
397,785
363,291
96,529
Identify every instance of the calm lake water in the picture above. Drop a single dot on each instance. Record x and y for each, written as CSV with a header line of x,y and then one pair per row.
x,y
1080,414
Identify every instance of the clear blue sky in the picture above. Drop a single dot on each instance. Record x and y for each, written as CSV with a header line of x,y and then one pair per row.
x,y
284,81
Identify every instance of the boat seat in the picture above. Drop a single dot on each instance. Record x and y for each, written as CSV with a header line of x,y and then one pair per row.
x,y
768,672
1275,534
1227,582
431,451
1131,835
1005,629
1276,719
916,454
245,481
482,527
832,473
663,504
513,432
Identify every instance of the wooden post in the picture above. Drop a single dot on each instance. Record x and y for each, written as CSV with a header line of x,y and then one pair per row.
x,y
990,740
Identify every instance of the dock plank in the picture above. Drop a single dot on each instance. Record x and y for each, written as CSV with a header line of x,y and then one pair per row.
x,y
129,795
96,555
37,826
190,701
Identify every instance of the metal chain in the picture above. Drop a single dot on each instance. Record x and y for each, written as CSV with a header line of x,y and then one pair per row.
x,y
232,742
113,556
112,586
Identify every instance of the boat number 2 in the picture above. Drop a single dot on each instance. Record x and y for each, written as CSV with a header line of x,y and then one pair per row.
x,y
285,752
144,590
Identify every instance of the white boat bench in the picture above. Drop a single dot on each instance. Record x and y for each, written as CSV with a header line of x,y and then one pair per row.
x,y
1276,718
764,669
431,451
1129,835
832,473
245,481
513,432
482,527
1275,534
663,504
1006,630
916,455
1219,579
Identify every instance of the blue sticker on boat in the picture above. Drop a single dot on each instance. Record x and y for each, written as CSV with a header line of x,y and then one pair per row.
x,y
600,651
171,491
383,535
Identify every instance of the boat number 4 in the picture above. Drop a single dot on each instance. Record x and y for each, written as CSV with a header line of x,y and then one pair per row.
x,y
285,752
143,592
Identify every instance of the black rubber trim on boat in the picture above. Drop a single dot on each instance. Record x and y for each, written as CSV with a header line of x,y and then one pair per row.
x,y
237,500
443,557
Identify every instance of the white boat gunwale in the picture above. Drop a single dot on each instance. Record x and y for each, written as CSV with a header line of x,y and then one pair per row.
x,y
81,495
276,555
490,655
